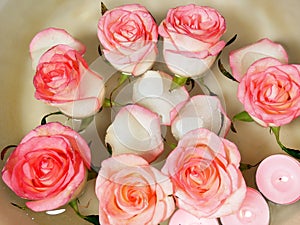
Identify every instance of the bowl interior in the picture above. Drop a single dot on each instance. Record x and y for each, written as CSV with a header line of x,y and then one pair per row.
x,y
20,112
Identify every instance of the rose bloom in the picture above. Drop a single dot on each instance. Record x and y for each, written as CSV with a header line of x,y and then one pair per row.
x,y
192,39
270,92
269,87
63,78
204,169
135,129
131,192
152,90
49,167
129,35
201,111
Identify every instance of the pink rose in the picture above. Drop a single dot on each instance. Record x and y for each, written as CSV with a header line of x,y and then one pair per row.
x,y
192,39
201,111
49,167
63,78
135,129
204,169
131,192
152,90
129,35
269,86
270,92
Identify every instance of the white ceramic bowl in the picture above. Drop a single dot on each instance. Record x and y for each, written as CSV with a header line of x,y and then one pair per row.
x,y
20,112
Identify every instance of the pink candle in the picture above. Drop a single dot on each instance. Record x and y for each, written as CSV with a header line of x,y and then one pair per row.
x,y
278,179
253,211
181,217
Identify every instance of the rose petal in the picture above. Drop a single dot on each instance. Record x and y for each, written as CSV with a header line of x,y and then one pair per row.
x,y
55,128
241,59
142,136
48,38
152,91
201,111
63,197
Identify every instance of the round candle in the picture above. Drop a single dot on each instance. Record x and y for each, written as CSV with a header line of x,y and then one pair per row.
x,y
254,210
181,217
278,179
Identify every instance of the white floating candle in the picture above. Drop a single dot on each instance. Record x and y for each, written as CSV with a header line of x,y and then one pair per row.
x,y
181,217
254,210
278,179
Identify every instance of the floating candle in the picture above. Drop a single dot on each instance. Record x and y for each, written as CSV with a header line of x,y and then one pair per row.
x,y
254,210
278,179
181,217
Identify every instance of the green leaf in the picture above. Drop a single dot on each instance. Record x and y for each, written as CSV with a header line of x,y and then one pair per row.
x,y
104,9
227,44
18,206
231,40
109,148
5,149
178,81
244,166
94,219
243,116
292,152
224,71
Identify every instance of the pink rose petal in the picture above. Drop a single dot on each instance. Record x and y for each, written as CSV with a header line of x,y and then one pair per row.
x,y
241,59
49,38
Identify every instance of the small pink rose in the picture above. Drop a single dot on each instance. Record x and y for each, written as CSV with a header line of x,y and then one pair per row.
x,y
270,92
241,59
192,39
201,111
131,192
63,78
135,129
129,35
204,169
152,90
49,167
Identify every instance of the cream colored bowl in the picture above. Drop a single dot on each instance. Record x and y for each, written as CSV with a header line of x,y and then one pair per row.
x,y
20,112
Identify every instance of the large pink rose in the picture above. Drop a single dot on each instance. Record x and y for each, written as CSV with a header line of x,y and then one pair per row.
x,y
129,35
204,169
63,78
49,166
131,192
270,92
192,39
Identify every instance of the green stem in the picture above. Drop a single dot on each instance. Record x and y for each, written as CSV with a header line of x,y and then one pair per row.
x,y
224,71
245,166
123,78
44,119
4,150
178,81
211,93
94,219
292,152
